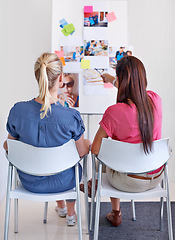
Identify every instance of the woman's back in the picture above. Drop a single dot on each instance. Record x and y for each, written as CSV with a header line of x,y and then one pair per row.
x,y
120,121
61,124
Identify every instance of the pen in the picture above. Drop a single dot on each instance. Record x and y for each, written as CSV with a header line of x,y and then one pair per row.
x,y
98,71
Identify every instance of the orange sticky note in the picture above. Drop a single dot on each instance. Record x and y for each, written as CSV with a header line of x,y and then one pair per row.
x,y
111,16
108,85
62,60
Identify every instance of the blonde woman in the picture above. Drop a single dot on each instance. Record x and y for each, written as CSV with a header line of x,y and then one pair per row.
x,y
44,122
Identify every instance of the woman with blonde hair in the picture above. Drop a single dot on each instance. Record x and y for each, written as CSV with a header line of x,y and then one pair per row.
x,y
44,122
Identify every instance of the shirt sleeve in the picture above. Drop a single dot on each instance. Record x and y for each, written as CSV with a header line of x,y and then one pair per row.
x,y
108,123
78,127
10,126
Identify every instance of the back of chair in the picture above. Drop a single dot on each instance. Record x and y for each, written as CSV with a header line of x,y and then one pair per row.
x,y
130,158
42,161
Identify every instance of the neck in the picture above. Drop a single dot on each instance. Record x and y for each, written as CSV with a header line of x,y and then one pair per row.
x,y
54,95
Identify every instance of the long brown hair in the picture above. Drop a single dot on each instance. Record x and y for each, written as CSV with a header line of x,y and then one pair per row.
x,y
132,86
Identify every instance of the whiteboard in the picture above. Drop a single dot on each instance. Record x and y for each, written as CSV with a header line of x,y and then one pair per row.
x,y
73,12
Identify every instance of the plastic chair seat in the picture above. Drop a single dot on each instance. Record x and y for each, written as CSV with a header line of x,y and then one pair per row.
x,y
107,190
22,193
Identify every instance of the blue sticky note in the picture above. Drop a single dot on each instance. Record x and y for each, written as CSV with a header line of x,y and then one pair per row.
x,y
72,32
62,21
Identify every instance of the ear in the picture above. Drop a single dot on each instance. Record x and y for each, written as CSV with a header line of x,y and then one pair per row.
x,y
60,80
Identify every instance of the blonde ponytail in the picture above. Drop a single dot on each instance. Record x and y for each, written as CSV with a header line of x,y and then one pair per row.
x,y
47,69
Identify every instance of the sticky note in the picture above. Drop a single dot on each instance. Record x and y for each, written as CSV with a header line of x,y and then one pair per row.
x,y
63,24
60,53
72,32
62,60
108,85
85,63
62,21
65,33
88,9
111,16
68,29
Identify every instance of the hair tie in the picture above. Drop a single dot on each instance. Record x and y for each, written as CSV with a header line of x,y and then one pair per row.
x,y
43,63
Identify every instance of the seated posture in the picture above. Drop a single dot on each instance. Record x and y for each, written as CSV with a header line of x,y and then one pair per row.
x,y
135,118
44,122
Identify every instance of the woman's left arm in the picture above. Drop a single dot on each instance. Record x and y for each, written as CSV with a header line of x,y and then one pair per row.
x,y
5,143
97,140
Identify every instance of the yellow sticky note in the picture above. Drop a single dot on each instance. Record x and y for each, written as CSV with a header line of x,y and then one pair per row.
x,y
85,63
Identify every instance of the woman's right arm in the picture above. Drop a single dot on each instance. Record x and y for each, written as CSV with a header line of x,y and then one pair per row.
x,y
107,78
5,143
83,146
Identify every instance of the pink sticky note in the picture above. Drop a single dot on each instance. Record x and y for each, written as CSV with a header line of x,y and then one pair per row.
x,y
88,9
108,85
60,54
111,16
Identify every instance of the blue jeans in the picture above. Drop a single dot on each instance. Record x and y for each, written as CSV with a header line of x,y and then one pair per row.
x,y
60,182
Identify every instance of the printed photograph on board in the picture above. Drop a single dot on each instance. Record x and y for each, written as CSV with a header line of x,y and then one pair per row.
x,y
72,53
68,94
95,19
96,47
93,76
116,53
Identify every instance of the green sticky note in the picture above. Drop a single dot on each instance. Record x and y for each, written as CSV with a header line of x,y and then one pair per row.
x,y
64,32
68,29
85,64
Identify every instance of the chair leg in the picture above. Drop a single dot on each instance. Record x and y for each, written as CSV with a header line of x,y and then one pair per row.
x,y
16,215
78,202
133,210
98,198
161,208
7,211
161,213
92,193
45,212
170,230
16,204
86,194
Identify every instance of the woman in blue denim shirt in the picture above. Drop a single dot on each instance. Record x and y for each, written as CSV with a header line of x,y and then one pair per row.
x,y
44,122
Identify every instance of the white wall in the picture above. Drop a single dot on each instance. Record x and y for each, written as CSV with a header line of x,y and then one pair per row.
x,y
25,34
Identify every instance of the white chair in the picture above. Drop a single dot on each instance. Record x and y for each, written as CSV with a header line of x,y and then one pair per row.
x,y
130,158
41,161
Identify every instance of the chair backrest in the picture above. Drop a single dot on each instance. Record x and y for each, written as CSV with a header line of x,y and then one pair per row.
x,y
42,161
130,158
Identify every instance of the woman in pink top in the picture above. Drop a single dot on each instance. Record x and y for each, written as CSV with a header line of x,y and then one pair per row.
x,y
135,118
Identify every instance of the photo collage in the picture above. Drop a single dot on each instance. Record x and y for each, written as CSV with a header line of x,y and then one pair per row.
x,y
86,59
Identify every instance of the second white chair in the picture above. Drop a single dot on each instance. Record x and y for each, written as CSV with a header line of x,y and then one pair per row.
x,y
131,159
